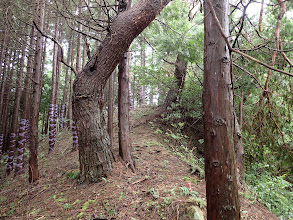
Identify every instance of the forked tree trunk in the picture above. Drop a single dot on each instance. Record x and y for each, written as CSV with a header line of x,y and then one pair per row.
x,y
220,166
94,145
34,139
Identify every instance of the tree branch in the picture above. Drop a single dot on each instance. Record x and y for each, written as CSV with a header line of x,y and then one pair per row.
x,y
59,45
236,50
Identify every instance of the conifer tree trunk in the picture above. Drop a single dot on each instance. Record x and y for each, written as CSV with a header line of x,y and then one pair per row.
x,y
141,92
19,166
9,69
2,77
14,121
64,98
34,140
220,166
53,100
95,153
110,107
123,113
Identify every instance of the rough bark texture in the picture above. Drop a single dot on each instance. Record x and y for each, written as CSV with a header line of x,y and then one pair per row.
x,y
95,149
123,113
34,140
110,107
220,166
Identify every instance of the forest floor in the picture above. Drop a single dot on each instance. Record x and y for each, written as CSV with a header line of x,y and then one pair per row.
x,y
157,190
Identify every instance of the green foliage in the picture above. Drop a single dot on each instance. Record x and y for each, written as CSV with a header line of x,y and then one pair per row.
x,y
273,191
73,174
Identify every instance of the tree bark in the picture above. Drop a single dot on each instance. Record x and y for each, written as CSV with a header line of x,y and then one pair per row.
x,y
173,95
14,121
7,88
110,108
141,90
123,113
53,100
64,98
34,140
220,166
95,153
19,167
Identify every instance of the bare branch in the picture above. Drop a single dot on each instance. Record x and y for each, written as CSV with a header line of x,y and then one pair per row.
x,y
59,45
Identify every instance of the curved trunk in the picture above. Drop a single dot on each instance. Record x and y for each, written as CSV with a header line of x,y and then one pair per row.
x,y
94,144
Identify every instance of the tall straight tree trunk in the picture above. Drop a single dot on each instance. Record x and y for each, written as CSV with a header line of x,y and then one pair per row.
x,y
69,111
14,121
9,69
110,107
141,90
34,140
2,76
53,101
95,153
220,166
123,113
78,60
19,166
64,98
130,96
123,104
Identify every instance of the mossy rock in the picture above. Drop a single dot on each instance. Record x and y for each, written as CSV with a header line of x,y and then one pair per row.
x,y
195,213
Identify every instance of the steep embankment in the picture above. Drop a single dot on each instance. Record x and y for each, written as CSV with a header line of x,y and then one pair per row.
x,y
158,189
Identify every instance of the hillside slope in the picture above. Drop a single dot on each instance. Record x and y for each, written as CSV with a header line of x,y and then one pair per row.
x,y
158,189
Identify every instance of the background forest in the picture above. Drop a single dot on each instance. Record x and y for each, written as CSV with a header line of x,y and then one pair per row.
x,y
46,44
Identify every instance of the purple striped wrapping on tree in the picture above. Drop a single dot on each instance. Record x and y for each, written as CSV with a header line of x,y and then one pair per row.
x,y
21,146
62,114
53,110
74,133
1,144
10,159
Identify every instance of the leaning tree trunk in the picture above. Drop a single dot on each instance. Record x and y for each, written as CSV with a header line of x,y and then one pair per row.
x,y
220,166
95,153
34,139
